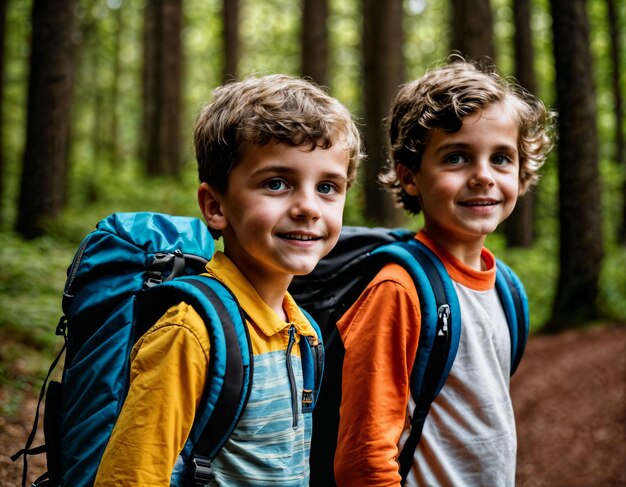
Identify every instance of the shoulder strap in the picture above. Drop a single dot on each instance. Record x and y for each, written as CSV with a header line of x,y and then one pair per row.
x,y
439,335
312,356
230,378
515,304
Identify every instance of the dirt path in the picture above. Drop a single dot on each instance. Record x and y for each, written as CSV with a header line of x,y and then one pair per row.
x,y
570,402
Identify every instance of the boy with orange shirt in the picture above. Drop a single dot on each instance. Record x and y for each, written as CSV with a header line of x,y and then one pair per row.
x,y
464,145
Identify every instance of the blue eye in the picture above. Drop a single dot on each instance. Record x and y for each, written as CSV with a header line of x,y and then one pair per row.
x,y
456,159
275,184
500,159
325,188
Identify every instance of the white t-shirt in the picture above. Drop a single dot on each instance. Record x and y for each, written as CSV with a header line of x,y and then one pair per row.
x,y
469,435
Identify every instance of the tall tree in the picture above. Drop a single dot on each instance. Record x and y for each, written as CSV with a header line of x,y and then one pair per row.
x,y
149,78
472,28
114,149
518,228
579,188
162,75
50,86
230,36
616,75
3,11
314,40
383,72
89,78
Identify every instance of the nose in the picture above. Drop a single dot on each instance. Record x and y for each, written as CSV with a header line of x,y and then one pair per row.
x,y
306,206
482,174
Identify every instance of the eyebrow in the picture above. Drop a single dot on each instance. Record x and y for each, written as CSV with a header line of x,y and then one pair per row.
x,y
464,145
288,170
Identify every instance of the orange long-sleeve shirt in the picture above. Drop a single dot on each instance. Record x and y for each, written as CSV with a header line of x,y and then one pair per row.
x,y
376,374
380,333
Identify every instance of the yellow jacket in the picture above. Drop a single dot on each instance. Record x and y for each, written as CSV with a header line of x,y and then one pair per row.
x,y
168,372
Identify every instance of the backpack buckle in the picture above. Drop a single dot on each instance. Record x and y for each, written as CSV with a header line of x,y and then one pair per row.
x,y
157,268
203,473
165,267
62,327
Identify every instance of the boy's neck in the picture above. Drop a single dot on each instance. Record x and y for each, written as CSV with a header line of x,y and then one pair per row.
x,y
271,287
272,294
469,252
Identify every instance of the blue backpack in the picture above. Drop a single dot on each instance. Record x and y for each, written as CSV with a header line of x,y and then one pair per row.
x,y
124,276
335,284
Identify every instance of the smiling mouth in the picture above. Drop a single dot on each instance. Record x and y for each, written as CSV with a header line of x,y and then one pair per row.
x,y
479,203
302,238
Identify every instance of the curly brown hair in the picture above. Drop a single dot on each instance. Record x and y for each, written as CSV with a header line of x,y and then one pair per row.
x,y
441,99
272,108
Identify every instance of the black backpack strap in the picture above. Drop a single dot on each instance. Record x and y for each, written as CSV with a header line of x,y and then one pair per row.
x,y
27,450
225,323
439,339
515,305
226,413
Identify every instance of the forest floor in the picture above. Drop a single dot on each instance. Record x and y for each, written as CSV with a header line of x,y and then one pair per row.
x,y
570,402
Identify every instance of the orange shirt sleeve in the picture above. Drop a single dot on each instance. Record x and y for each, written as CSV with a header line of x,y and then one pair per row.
x,y
168,371
380,333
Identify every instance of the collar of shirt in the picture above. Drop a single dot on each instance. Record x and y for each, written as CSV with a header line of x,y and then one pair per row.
x,y
224,270
459,272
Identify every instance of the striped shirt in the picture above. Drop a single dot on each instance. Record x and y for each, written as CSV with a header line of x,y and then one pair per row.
x,y
270,445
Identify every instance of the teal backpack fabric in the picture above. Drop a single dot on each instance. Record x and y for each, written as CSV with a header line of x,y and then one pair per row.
x,y
124,276
338,280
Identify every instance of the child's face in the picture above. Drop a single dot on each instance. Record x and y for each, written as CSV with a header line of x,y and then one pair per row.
x,y
283,209
468,181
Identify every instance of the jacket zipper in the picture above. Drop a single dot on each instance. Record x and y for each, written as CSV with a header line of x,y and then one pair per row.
x,y
292,379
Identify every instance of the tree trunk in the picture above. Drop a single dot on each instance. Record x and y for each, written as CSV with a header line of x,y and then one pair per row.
x,y
519,227
314,62
44,175
383,73
616,74
472,28
172,51
3,11
149,79
230,33
162,87
98,136
579,189
114,147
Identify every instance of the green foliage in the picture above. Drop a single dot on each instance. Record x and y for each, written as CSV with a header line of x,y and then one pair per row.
x,y
427,35
344,30
33,272
270,37
613,284
30,308
127,189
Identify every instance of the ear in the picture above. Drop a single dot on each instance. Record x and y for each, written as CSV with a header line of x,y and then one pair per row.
x,y
211,208
407,179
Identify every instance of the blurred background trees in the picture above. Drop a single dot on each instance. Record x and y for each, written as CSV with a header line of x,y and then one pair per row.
x,y
48,128
98,98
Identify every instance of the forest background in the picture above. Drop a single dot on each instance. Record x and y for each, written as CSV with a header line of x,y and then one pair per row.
x,y
98,98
